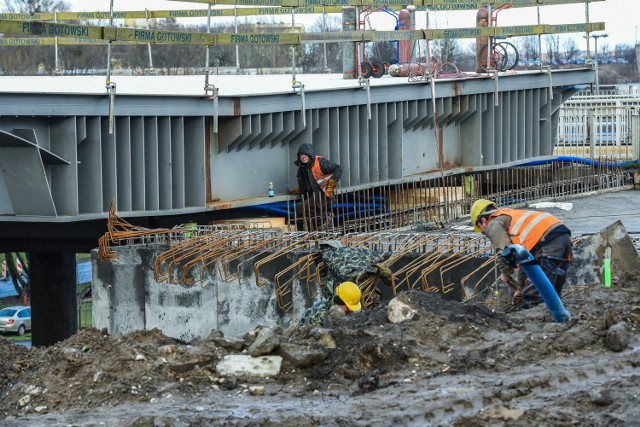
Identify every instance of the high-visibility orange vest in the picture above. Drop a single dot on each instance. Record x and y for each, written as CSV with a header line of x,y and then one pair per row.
x,y
527,227
320,177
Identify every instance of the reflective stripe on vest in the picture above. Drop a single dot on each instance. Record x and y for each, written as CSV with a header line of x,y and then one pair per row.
x,y
527,227
320,177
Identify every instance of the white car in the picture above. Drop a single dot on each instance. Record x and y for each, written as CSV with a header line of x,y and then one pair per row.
x,y
15,319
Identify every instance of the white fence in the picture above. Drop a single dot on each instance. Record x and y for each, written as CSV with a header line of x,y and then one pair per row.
x,y
603,126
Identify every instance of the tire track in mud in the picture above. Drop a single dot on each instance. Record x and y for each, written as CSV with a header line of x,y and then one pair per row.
x,y
458,399
418,399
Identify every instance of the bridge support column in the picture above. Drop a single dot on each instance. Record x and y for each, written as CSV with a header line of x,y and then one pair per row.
x,y
54,305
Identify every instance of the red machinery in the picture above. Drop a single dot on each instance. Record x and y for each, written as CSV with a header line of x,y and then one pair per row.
x,y
376,67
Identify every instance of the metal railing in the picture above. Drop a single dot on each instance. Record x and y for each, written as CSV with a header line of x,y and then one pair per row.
x,y
450,261
602,125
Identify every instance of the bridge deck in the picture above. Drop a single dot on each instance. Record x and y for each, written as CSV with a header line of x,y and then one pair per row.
x,y
172,150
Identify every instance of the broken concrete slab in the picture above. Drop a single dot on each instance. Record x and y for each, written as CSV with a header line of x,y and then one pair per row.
x,y
265,342
590,252
398,311
238,364
303,356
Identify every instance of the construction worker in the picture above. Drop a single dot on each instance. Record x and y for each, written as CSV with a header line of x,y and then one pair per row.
x,y
349,264
317,179
346,299
542,234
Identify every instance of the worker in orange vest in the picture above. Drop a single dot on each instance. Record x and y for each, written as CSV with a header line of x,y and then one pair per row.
x,y
542,234
317,180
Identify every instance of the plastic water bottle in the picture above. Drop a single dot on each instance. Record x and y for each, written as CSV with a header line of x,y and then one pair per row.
x,y
272,192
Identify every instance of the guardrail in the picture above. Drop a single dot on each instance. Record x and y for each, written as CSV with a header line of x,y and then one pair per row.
x,y
597,126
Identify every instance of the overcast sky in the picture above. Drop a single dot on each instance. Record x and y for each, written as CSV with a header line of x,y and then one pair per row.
x,y
621,17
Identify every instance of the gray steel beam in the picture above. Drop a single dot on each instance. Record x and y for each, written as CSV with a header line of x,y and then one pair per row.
x,y
530,123
136,135
109,167
395,118
253,130
165,170
520,120
178,163
354,167
342,116
90,169
374,150
267,126
151,170
230,130
277,123
334,124
194,154
64,179
383,141
471,133
363,142
124,176
154,162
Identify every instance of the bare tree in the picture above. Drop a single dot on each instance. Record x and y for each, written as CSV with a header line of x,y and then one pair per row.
x,y
444,49
20,281
620,49
552,45
36,6
314,54
528,47
604,51
17,60
570,47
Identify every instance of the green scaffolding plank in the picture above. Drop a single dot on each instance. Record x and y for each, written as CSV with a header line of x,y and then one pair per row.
x,y
278,7
82,33
257,38
432,4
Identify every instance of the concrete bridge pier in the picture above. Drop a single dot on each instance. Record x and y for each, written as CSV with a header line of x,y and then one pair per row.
x,y
54,304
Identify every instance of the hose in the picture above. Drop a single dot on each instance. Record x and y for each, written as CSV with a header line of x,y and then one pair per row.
x,y
571,159
518,254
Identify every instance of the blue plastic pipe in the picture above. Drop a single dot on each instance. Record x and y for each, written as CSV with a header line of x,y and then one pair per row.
x,y
572,159
531,267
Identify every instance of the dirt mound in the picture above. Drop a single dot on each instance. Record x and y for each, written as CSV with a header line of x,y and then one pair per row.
x,y
13,361
518,368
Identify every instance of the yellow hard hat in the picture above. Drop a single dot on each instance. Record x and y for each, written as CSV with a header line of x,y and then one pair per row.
x,y
350,294
477,208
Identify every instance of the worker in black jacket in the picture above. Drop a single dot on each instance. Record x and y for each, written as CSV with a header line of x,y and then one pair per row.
x,y
317,179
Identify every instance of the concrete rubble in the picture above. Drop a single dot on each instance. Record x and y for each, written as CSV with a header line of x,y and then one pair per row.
x,y
416,360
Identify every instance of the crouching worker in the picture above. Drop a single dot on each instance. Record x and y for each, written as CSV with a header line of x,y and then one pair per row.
x,y
345,300
542,234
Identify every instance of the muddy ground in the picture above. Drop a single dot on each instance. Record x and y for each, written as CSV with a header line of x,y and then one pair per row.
x,y
452,364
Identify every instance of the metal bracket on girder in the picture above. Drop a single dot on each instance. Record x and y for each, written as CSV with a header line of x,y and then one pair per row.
x,y
366,83
496,88
111,91
298,88
550,77
208,87
111,86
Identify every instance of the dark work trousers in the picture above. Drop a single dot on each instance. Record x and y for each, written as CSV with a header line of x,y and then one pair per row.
x,y
554,256
311,211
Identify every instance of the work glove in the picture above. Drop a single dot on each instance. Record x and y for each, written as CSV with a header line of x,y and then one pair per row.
x,y
384,273
511,281
517,297
334,317
517,287
295,192
330,191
